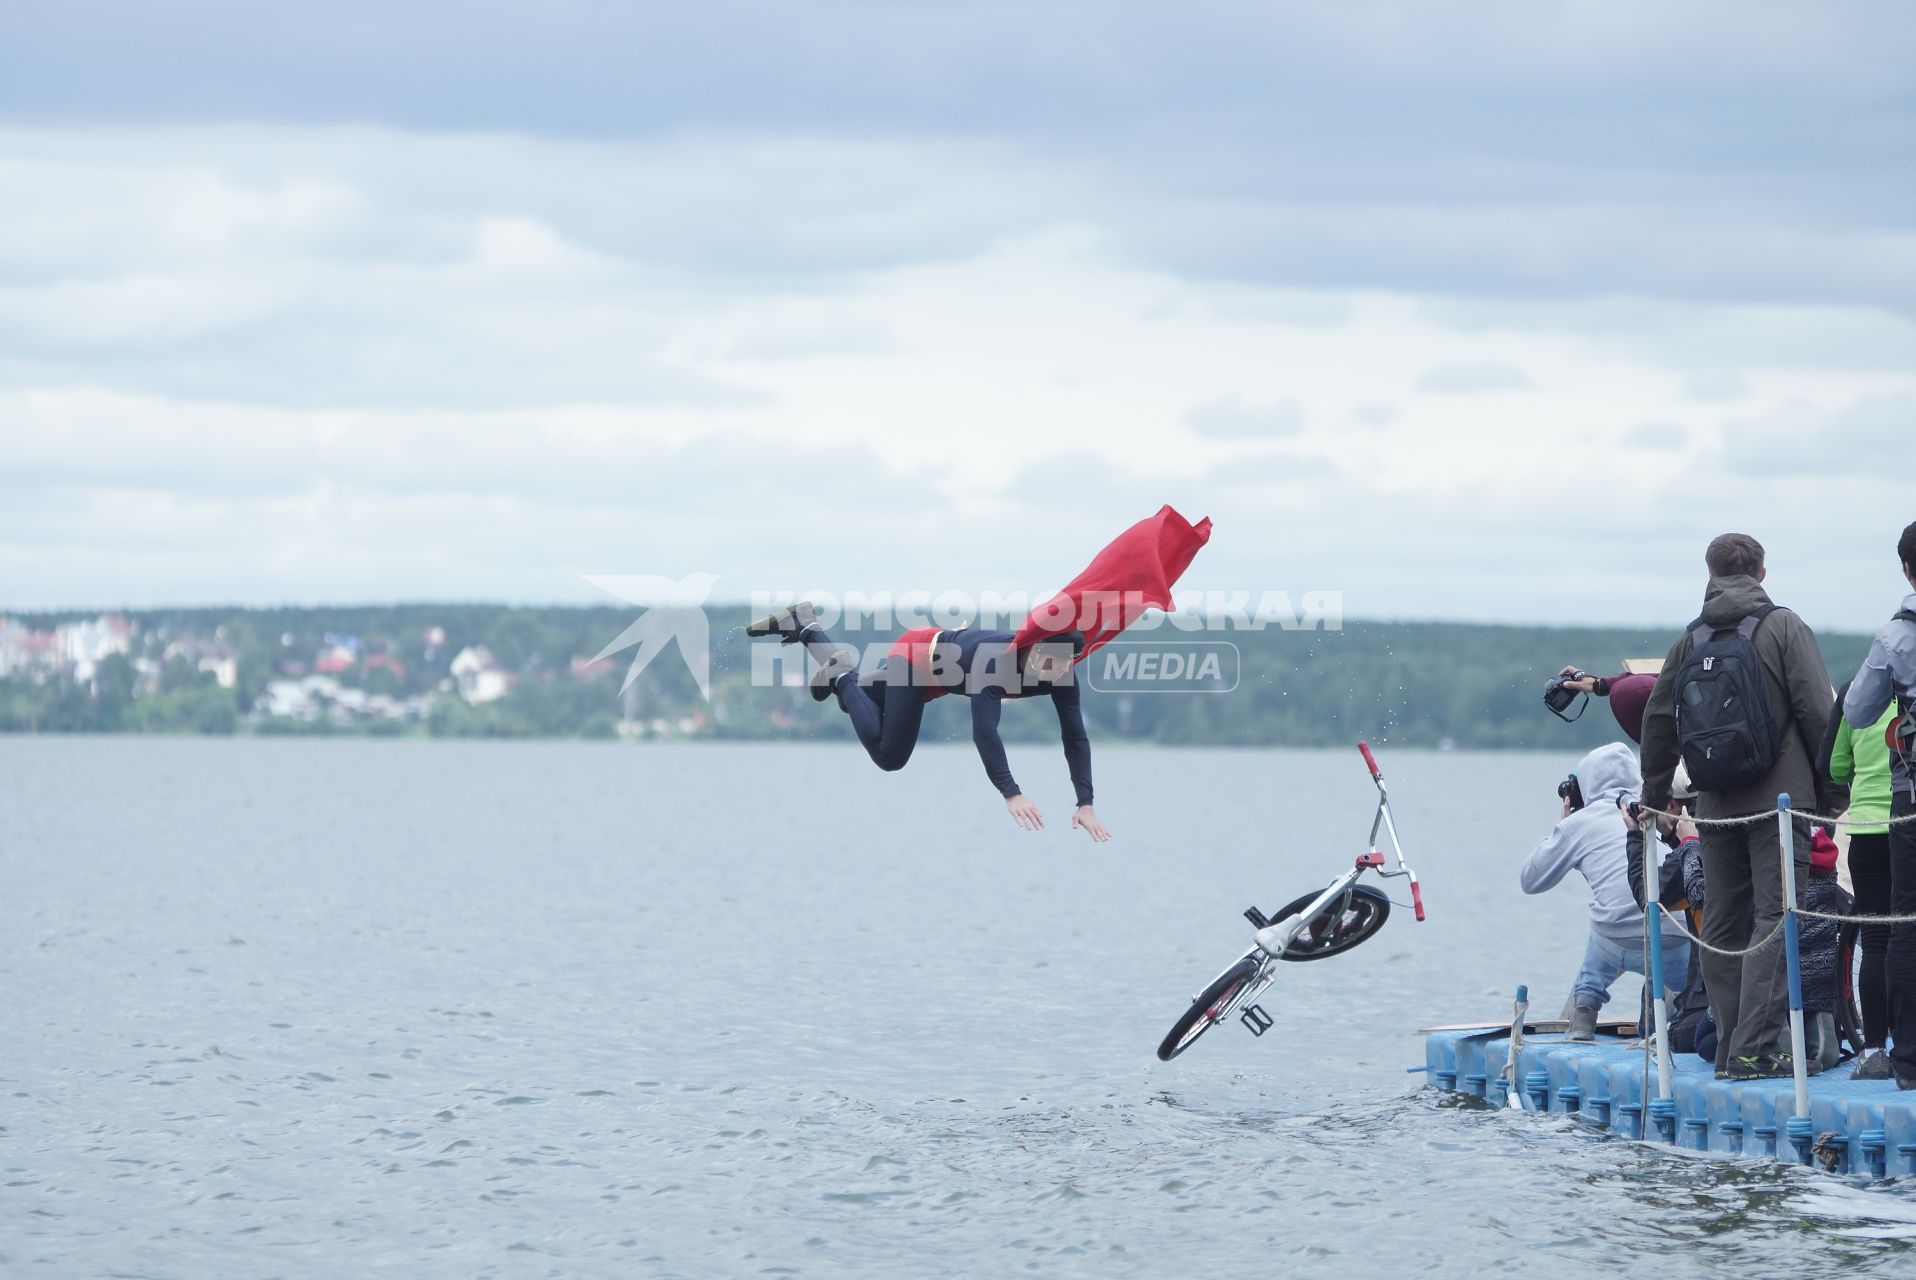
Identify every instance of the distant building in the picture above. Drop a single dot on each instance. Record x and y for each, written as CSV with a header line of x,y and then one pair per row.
x,y
385,662
322,697
479,678
335,658
83,645
24,651
214,657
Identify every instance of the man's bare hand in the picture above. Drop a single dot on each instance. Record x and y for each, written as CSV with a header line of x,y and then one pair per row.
x,y
1024,812
1087,820
1587,684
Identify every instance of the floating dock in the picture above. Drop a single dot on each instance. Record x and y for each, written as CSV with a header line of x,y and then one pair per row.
x,y
1863,1128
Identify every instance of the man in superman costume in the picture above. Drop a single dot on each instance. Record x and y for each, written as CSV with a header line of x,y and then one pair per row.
x,y
1134,573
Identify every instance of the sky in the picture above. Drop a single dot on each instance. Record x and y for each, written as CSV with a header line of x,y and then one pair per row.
x,y
1491,312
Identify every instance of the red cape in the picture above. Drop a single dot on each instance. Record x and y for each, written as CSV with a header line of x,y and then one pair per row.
x,y
1136,572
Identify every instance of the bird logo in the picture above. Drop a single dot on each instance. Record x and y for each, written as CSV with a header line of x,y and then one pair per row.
x,y
674,610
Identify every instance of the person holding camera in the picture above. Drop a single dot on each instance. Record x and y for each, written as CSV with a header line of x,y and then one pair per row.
x,y
1628,692
1588,840
1681,888
1743,700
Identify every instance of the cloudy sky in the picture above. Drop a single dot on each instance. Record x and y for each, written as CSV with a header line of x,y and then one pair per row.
x,y
1488,311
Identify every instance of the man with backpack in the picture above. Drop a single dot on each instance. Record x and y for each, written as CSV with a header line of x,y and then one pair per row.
x,y
1889,670
1743,700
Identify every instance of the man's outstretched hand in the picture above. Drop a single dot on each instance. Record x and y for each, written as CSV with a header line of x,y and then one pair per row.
x,y
1088,820
1024,812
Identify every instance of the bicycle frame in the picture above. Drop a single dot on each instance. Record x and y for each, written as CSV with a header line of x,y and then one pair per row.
x,y
1276,937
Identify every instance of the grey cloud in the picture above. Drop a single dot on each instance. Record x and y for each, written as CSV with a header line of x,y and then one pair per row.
x,y
1460,379
1700,339
1375,413
1717,384
1232,417
1507,150
1269,469
1670,437
1867,440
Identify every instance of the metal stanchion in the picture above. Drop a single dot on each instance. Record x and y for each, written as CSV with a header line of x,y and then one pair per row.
x,y
1653,916
1786,839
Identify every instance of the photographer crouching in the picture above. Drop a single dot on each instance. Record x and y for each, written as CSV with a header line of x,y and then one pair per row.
x,y
1680,888
1589,840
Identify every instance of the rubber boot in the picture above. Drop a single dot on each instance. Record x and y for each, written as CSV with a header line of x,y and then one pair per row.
x,y
1583,1023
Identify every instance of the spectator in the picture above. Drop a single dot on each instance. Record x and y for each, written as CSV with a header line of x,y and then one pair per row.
x,y
1681,890
1780,705
1860,757
1588,840
1889,670
1819,946
1628,693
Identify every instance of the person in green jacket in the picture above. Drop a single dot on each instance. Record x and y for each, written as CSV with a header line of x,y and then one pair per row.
x,y
1860,757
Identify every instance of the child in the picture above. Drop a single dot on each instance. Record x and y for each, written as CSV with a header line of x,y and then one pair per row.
x,y
1819,943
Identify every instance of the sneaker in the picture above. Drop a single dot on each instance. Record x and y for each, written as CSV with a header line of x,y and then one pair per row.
x,y
825,680
1769,1066
785,624
1583,1024
1873,1067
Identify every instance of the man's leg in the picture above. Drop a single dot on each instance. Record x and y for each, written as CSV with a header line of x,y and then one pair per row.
x,y
798,625
1869,873
1901,962
887,714
1602,962
1763,1008
1726,924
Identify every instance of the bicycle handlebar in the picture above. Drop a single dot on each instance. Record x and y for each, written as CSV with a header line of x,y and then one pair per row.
x,y
1417,900
1369,759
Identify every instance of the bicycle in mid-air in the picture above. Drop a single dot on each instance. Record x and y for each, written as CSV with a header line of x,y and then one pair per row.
x,y
1326,923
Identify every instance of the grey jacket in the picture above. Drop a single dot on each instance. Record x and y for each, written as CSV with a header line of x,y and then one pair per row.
x,y
1889,670
1592,841
1800,699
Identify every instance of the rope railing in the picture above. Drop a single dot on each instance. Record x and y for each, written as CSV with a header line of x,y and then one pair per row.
x,y
1786,929
1766,815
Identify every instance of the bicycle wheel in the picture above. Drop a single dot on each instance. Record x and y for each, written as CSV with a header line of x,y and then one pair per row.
x,y
1849,1014
1211,1007
1346,920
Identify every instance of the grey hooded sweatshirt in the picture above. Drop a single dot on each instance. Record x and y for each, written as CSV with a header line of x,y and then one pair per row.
x,y
1591,841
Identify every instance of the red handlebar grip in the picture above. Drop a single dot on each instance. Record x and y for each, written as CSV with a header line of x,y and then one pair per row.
x,y
1417,899
1369,759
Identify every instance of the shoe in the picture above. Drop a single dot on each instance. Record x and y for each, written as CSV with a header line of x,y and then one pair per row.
x,y
1768,1066
825,680
1873,1067
1583,1024
1905,1082
786,624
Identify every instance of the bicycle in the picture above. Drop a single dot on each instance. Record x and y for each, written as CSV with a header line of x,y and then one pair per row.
x,y
1318,925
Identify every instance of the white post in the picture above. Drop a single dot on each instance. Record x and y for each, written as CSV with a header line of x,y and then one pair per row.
x,y
1786,843
1653,920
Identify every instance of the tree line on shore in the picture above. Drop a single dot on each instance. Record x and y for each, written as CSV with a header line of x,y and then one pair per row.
x,y
1420,684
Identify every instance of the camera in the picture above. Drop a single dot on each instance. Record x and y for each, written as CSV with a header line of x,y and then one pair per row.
x,y
1571,790
1558,695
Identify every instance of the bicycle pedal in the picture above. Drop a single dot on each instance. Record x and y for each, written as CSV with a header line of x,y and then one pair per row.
x,y
1255,1020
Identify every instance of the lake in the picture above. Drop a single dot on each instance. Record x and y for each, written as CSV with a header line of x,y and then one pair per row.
x,y
427,1008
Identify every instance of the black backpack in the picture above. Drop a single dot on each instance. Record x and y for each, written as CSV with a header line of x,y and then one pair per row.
x,y
1725,727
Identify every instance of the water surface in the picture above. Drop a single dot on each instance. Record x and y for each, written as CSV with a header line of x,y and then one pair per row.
x,y
284,1008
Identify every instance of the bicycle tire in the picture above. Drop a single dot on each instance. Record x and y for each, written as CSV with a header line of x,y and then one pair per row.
x,y
1849,1014
1370,907
1211,1007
